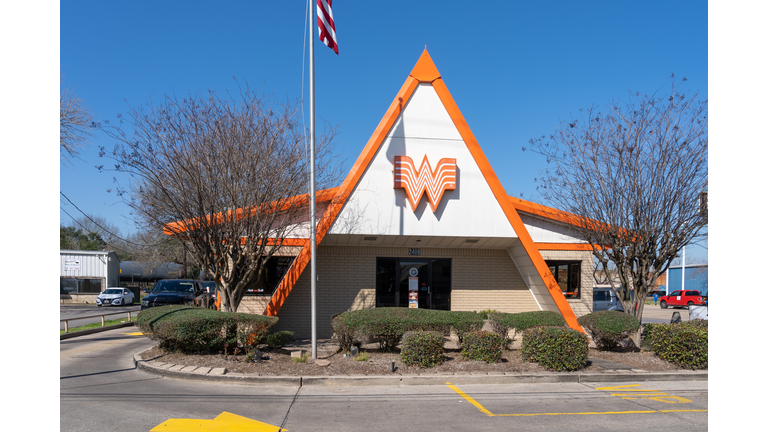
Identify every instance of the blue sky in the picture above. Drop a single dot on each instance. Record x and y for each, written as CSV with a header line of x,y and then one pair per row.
x,y
514,68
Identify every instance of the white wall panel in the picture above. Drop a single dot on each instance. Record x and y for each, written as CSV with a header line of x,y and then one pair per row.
x,y
543,231
376,208
89,265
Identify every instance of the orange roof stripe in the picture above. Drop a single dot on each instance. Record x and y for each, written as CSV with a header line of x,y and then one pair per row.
x,y
298,200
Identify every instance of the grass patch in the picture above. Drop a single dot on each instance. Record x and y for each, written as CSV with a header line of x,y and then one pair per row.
x,y
303,359
94,325
363,357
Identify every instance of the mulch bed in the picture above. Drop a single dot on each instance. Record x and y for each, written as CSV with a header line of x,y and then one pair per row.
x,y
280,363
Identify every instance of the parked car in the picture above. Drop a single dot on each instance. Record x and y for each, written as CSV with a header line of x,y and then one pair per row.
x,y
605,298
115,296
211,292
682,298
175,291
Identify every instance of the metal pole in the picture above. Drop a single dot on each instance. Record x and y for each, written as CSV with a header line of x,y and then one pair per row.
x,y
682,287
313,278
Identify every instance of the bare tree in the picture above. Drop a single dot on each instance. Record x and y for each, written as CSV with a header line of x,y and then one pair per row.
x,y
632,175
223,175
75,124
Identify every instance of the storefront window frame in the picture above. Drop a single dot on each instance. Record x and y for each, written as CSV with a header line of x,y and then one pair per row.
x,y
572,268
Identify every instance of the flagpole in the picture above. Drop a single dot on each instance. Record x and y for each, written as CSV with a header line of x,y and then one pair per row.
x,y
312,224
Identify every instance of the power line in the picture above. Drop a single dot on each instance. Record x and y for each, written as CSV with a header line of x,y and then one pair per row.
x,y
105,230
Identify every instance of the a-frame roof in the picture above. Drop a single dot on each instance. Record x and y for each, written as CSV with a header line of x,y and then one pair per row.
x,y
425,72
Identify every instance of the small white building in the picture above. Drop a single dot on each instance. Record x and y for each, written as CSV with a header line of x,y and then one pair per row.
x,y
84,274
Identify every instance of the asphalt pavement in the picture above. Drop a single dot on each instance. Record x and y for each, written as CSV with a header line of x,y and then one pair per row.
x,y
75,311
102,387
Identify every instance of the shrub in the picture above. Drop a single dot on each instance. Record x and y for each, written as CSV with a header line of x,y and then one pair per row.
x,y
464,322
557,348
192,329
279,339
387,324
422,348
345,334
684,344
483,346
502,323
609,327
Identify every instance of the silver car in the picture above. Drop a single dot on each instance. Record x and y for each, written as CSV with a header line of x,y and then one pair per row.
x,y
605,298
115,297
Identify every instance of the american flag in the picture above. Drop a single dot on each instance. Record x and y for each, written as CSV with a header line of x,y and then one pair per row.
x,y
325,24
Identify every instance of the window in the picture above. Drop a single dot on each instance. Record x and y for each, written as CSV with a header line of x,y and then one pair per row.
x,y
568,277
78,286
275,269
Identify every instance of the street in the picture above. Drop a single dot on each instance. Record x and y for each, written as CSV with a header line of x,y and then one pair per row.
x,y
70,311
100,389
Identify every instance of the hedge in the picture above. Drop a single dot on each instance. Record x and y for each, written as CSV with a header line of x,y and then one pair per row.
x,y
609,327
684,344
502,323
191,329
390,324
557,348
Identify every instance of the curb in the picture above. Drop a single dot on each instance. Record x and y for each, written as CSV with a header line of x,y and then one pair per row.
x,y
94,330
220,375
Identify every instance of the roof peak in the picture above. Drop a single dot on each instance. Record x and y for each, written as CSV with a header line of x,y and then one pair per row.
x,y
425,69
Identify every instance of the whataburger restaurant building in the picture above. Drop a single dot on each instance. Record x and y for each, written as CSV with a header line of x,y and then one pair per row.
x,y
421,220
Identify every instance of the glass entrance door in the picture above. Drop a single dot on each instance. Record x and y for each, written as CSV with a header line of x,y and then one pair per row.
x,y
402,282
414,283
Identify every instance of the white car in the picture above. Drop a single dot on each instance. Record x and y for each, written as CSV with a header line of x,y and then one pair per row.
x,y
115,297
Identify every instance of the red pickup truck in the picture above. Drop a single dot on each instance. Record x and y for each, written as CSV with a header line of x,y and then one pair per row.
x,y
681,298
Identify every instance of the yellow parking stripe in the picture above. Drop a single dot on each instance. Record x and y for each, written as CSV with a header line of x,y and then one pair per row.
x,y
490,414
469,399
598,413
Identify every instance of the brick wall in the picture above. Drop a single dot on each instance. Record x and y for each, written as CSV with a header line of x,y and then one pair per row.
x,y
481,279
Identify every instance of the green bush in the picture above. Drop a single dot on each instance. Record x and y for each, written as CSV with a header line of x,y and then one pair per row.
x,y
483,346
609,327
422,348
279,339
557,348
387,324
502,323
465,322
684,344
700,323
346,335
191,329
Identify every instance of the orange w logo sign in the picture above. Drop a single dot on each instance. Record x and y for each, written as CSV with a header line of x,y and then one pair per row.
x,y
416,182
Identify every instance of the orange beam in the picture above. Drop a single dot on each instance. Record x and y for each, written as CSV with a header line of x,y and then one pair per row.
x,y
298,200
346,188
505,203
566,246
